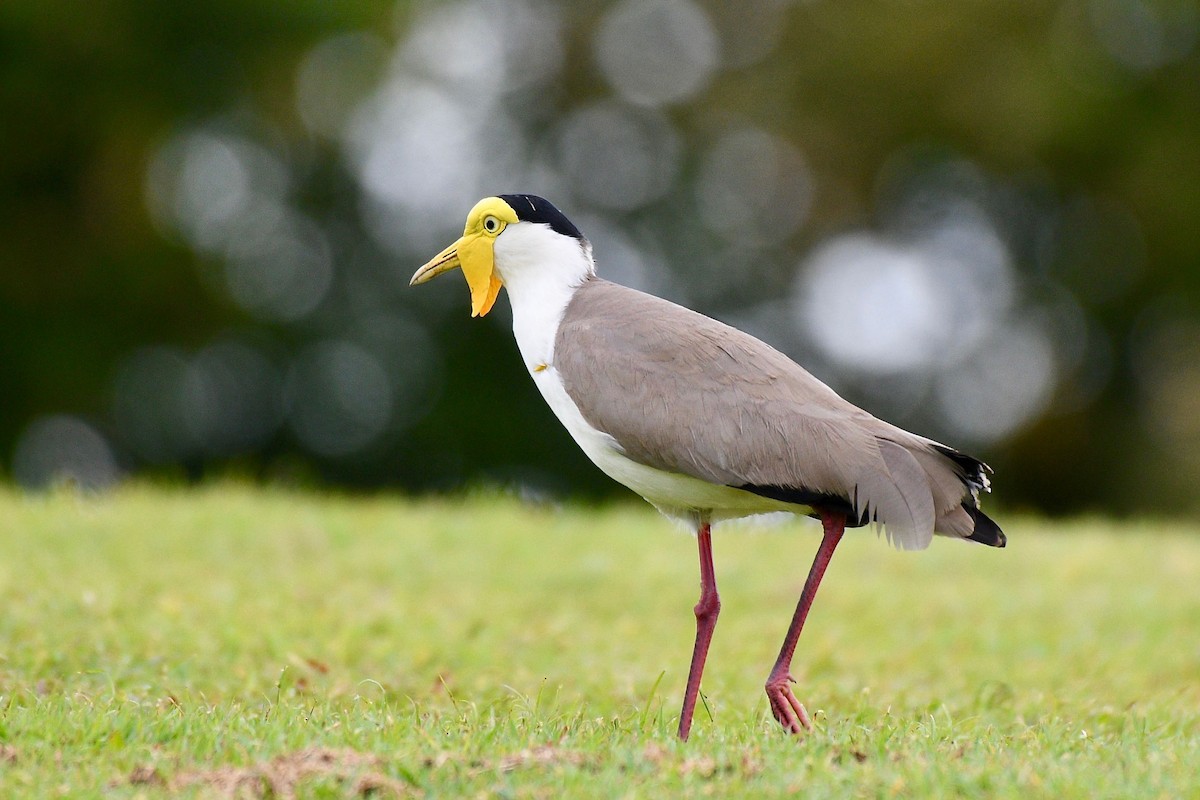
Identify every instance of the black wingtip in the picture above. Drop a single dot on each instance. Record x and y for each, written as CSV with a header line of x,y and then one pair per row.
x,y
973,472
986,531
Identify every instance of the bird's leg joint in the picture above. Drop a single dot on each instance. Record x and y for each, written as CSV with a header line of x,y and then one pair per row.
x,y
709,606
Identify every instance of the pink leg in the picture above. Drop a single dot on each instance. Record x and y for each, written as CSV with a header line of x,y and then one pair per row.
x,y
784,705
706,621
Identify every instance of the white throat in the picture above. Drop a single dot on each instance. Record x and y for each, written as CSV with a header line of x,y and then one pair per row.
x,y
541,270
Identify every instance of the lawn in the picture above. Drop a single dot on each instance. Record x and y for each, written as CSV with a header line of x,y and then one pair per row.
x,y
165,641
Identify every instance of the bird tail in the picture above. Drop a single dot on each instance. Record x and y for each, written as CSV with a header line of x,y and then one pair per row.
x,y
986,531
970,522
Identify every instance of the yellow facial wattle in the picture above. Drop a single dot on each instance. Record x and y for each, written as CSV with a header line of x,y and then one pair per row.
x,y
474,253
479,268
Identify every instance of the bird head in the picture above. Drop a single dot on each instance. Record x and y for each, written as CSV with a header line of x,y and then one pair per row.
x,y
480,254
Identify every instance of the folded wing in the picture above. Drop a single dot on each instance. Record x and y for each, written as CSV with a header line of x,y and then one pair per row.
x,y
681,392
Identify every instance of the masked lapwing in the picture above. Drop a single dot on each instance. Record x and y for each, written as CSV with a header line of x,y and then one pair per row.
x,y
704,421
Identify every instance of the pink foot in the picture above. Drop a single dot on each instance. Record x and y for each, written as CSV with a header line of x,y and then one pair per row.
x,y
784,705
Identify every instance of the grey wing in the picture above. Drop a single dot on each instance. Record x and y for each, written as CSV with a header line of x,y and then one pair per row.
x,y
681,392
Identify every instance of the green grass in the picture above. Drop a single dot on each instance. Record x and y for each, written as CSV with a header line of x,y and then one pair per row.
x,y
155,642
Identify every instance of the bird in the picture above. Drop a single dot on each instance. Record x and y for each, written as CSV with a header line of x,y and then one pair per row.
x,y
705,421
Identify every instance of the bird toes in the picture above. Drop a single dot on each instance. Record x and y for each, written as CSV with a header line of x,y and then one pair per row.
x,y
787,710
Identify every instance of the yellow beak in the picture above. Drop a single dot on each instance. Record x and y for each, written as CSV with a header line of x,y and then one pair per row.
x,y
473,254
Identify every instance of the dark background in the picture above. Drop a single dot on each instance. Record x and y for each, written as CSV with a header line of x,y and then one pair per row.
x,y
977,219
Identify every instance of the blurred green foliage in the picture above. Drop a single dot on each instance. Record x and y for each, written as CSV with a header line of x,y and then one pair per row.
x,y
1081,116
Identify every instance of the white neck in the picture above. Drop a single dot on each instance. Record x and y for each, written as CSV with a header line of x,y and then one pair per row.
x,y
541,270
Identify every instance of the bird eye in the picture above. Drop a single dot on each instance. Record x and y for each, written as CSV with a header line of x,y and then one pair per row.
x,y
491,224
